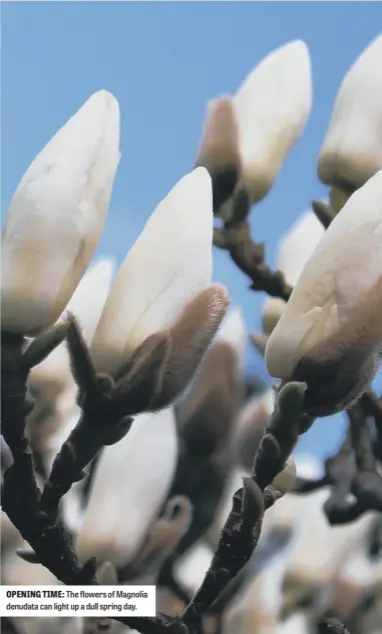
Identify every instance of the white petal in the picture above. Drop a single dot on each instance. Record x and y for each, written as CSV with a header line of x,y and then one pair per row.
x,y
297,623
272,107
170,262
233,331
56,216
344,266
273,308
193,565
352,150
319,548
17,572
90,296
358,572
257,609
296,247
130,485
51,382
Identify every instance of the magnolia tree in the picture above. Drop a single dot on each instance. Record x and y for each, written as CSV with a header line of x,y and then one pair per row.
x,y
132,452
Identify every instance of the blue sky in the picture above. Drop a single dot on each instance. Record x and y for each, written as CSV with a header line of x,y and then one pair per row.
x,y
164,61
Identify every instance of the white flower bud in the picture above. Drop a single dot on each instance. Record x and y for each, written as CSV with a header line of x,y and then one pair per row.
x,y
333,315
167,266
352,150
246,138
295,249
130,484
56,217
272,107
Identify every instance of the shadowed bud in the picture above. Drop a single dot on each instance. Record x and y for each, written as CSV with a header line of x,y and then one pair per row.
x,y
330,332
246,139
219,150
169,263
352,150
56,217
130,483
51,382
294,250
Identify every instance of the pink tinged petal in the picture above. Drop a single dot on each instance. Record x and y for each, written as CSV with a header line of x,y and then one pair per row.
x,y
219,152
352,150
170,262
130,485
272,107
56,216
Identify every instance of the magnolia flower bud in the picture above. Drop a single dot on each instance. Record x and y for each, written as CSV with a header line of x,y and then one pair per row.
x,y
130,484
168,265
294,250
56,217
246,139
331,332
51,382
352,150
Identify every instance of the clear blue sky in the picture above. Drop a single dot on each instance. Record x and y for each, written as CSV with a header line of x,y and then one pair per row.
x,y
163,62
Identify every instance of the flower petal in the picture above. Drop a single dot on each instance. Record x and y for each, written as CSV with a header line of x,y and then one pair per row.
x,y
51,382
341,278
170,262
130,484
56,216
294,250
352,150
272,107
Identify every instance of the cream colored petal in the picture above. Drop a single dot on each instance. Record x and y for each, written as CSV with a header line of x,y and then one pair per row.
x,y
51,382
352,150
56,216
257,608
345,266
295,249
272,107
319,547
233,331
193,565
297,246
273,308
130,485
170,262
357,573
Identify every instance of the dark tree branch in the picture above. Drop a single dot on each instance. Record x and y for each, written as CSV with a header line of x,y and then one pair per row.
x,y
249,258
332,626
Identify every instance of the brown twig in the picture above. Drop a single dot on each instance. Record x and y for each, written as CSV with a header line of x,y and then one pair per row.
x,y
249,258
